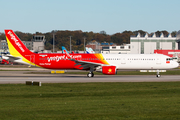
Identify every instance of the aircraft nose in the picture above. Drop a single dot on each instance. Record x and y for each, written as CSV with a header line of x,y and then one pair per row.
x,y
176,64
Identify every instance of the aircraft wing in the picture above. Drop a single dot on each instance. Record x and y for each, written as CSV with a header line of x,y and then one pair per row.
x,y
11,58
85,64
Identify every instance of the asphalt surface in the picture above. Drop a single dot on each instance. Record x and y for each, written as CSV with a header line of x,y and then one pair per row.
x,y
16,76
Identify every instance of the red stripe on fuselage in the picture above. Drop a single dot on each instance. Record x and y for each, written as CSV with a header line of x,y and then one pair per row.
x,y
60,61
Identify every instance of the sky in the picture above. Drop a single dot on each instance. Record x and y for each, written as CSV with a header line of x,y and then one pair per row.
x,y
111,16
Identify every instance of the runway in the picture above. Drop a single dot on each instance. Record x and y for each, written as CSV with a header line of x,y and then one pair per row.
x,y
14,77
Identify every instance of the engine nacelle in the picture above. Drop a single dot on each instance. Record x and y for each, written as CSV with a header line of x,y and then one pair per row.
x,y
109,70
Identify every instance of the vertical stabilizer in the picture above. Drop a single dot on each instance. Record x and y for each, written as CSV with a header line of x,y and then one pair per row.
x,y
16,47
64,50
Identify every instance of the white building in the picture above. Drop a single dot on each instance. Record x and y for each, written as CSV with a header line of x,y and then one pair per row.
x,y
147,45
38,43
122,49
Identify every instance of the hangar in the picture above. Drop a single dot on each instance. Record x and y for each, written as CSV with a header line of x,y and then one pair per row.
x,y
147,44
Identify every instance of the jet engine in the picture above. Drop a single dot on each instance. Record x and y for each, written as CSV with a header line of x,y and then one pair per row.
x,y
109,70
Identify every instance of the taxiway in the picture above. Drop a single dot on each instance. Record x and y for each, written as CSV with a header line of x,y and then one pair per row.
x,y
13,77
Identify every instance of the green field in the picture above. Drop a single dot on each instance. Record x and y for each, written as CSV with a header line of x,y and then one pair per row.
x,y
91,101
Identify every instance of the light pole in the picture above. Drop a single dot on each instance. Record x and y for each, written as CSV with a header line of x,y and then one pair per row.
x,y
70,43
53,40
84,44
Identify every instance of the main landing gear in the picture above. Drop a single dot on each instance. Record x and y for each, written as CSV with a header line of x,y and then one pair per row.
x,y
90,74
158,75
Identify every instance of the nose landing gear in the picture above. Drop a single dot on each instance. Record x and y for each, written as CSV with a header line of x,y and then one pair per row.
x,y
158,75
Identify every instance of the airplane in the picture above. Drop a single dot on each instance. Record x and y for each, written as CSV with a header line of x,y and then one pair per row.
x,y
64,50
107,63
89,50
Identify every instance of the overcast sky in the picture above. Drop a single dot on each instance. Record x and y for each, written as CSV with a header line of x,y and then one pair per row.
x,y
111,16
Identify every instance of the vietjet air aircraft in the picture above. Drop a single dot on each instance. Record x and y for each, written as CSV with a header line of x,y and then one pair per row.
x,y
106,63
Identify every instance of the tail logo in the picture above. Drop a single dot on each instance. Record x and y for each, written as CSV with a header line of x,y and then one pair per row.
x,y
16,41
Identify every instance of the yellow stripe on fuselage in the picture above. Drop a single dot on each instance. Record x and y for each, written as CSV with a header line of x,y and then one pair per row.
x,y
100,56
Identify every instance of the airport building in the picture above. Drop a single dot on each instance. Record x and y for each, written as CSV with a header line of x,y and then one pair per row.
x,y
4,46
96,46
38,42
35,45
109,48
117,49
147,44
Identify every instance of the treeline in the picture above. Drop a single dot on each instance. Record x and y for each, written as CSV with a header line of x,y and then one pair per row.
x,y
62,38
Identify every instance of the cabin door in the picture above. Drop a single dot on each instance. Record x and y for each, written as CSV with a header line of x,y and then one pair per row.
x,y
158,60
31,58
123,61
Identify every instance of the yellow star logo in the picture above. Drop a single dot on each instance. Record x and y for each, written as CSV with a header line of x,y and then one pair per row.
x,y
110,70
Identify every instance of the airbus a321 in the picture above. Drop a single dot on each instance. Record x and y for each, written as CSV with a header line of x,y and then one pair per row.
x,y
106,63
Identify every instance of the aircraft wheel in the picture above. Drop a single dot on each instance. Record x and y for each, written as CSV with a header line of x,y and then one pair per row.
x,y
90,74
158,76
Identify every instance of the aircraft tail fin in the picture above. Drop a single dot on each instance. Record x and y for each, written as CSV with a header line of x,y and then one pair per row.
x,y
19,52
16,47
89,50
64,50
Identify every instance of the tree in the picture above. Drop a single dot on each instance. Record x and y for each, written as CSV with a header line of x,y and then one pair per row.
x,y
158,33
173,34
2,36
165,33
141,32
103,32
117,38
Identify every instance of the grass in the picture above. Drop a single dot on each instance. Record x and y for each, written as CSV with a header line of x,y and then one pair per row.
x,y
91,101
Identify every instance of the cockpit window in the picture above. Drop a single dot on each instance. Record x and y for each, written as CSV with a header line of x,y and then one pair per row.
x,y
174,58
168,59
